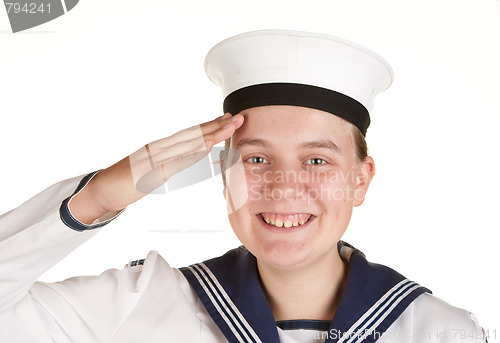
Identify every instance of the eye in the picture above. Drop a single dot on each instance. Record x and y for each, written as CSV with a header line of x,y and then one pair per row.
x,y
315,161
256,160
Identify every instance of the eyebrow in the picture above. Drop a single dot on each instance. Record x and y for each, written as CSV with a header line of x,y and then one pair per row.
x,y
253,142
321,143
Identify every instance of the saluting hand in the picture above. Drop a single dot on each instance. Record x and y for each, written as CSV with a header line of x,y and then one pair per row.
x,y
148,168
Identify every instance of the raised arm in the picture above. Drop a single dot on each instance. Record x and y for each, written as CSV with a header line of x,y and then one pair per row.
x,y
42,231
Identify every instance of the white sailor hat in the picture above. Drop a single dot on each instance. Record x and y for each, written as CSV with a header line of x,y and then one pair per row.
x,y
278,67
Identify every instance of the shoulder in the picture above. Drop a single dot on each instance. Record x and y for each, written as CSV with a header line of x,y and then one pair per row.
x,y
434,320
433,309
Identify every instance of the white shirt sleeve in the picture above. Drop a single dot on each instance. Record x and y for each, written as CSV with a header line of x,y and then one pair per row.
x,y
33,239
431,320
144,302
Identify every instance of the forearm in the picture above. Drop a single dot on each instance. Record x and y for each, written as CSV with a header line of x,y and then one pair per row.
x,y
111,190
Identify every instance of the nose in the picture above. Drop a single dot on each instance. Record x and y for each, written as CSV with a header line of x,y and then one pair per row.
x,y
284,182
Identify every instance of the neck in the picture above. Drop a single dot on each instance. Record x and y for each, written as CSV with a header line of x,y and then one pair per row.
x,y
311,292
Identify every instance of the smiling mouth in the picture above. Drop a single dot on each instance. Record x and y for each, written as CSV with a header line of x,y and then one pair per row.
x,y
285,220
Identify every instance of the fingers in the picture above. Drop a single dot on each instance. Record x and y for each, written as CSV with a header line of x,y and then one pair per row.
x,y
180,150
219,123
156,177
197,142
206,131
153,164
221,130
215,122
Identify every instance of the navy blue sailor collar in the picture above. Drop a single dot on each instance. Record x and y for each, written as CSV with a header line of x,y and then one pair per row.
x,y
229,288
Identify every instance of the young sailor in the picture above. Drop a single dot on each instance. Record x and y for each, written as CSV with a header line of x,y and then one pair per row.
x,y
294,167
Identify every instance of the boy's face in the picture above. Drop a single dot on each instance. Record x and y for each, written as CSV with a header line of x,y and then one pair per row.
x,y
291,198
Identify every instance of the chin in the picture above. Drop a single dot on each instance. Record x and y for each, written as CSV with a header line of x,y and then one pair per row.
x,y
281,254
278,247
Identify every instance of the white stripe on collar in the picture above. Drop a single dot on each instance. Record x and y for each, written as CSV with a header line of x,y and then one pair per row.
x,y
368,323
229,288
221,300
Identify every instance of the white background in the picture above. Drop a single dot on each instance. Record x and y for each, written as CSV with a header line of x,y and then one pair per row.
x,y
85,90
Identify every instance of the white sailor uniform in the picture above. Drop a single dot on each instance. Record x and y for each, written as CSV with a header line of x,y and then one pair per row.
x,y
220,300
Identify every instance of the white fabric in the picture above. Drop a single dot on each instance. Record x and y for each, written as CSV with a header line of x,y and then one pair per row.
x,y
321,60
144,303
301,336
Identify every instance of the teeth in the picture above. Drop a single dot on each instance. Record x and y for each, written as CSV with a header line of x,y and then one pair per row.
x,y
286,221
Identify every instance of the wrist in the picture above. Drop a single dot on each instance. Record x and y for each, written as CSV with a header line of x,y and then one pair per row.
x,y
84,206
113,188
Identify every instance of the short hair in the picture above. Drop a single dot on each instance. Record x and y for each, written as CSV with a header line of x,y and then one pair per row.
x,y
360,146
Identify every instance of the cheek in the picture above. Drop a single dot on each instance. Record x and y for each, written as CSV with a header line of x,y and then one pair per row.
x,y
336,192
254,183
248,185
331,188
236,186
257,181
242,223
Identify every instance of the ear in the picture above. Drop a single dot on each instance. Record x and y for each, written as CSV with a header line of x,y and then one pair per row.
x,y
222,160
365,174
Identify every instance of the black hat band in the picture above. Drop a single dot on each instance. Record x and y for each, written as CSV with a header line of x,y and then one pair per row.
x,y
295,94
